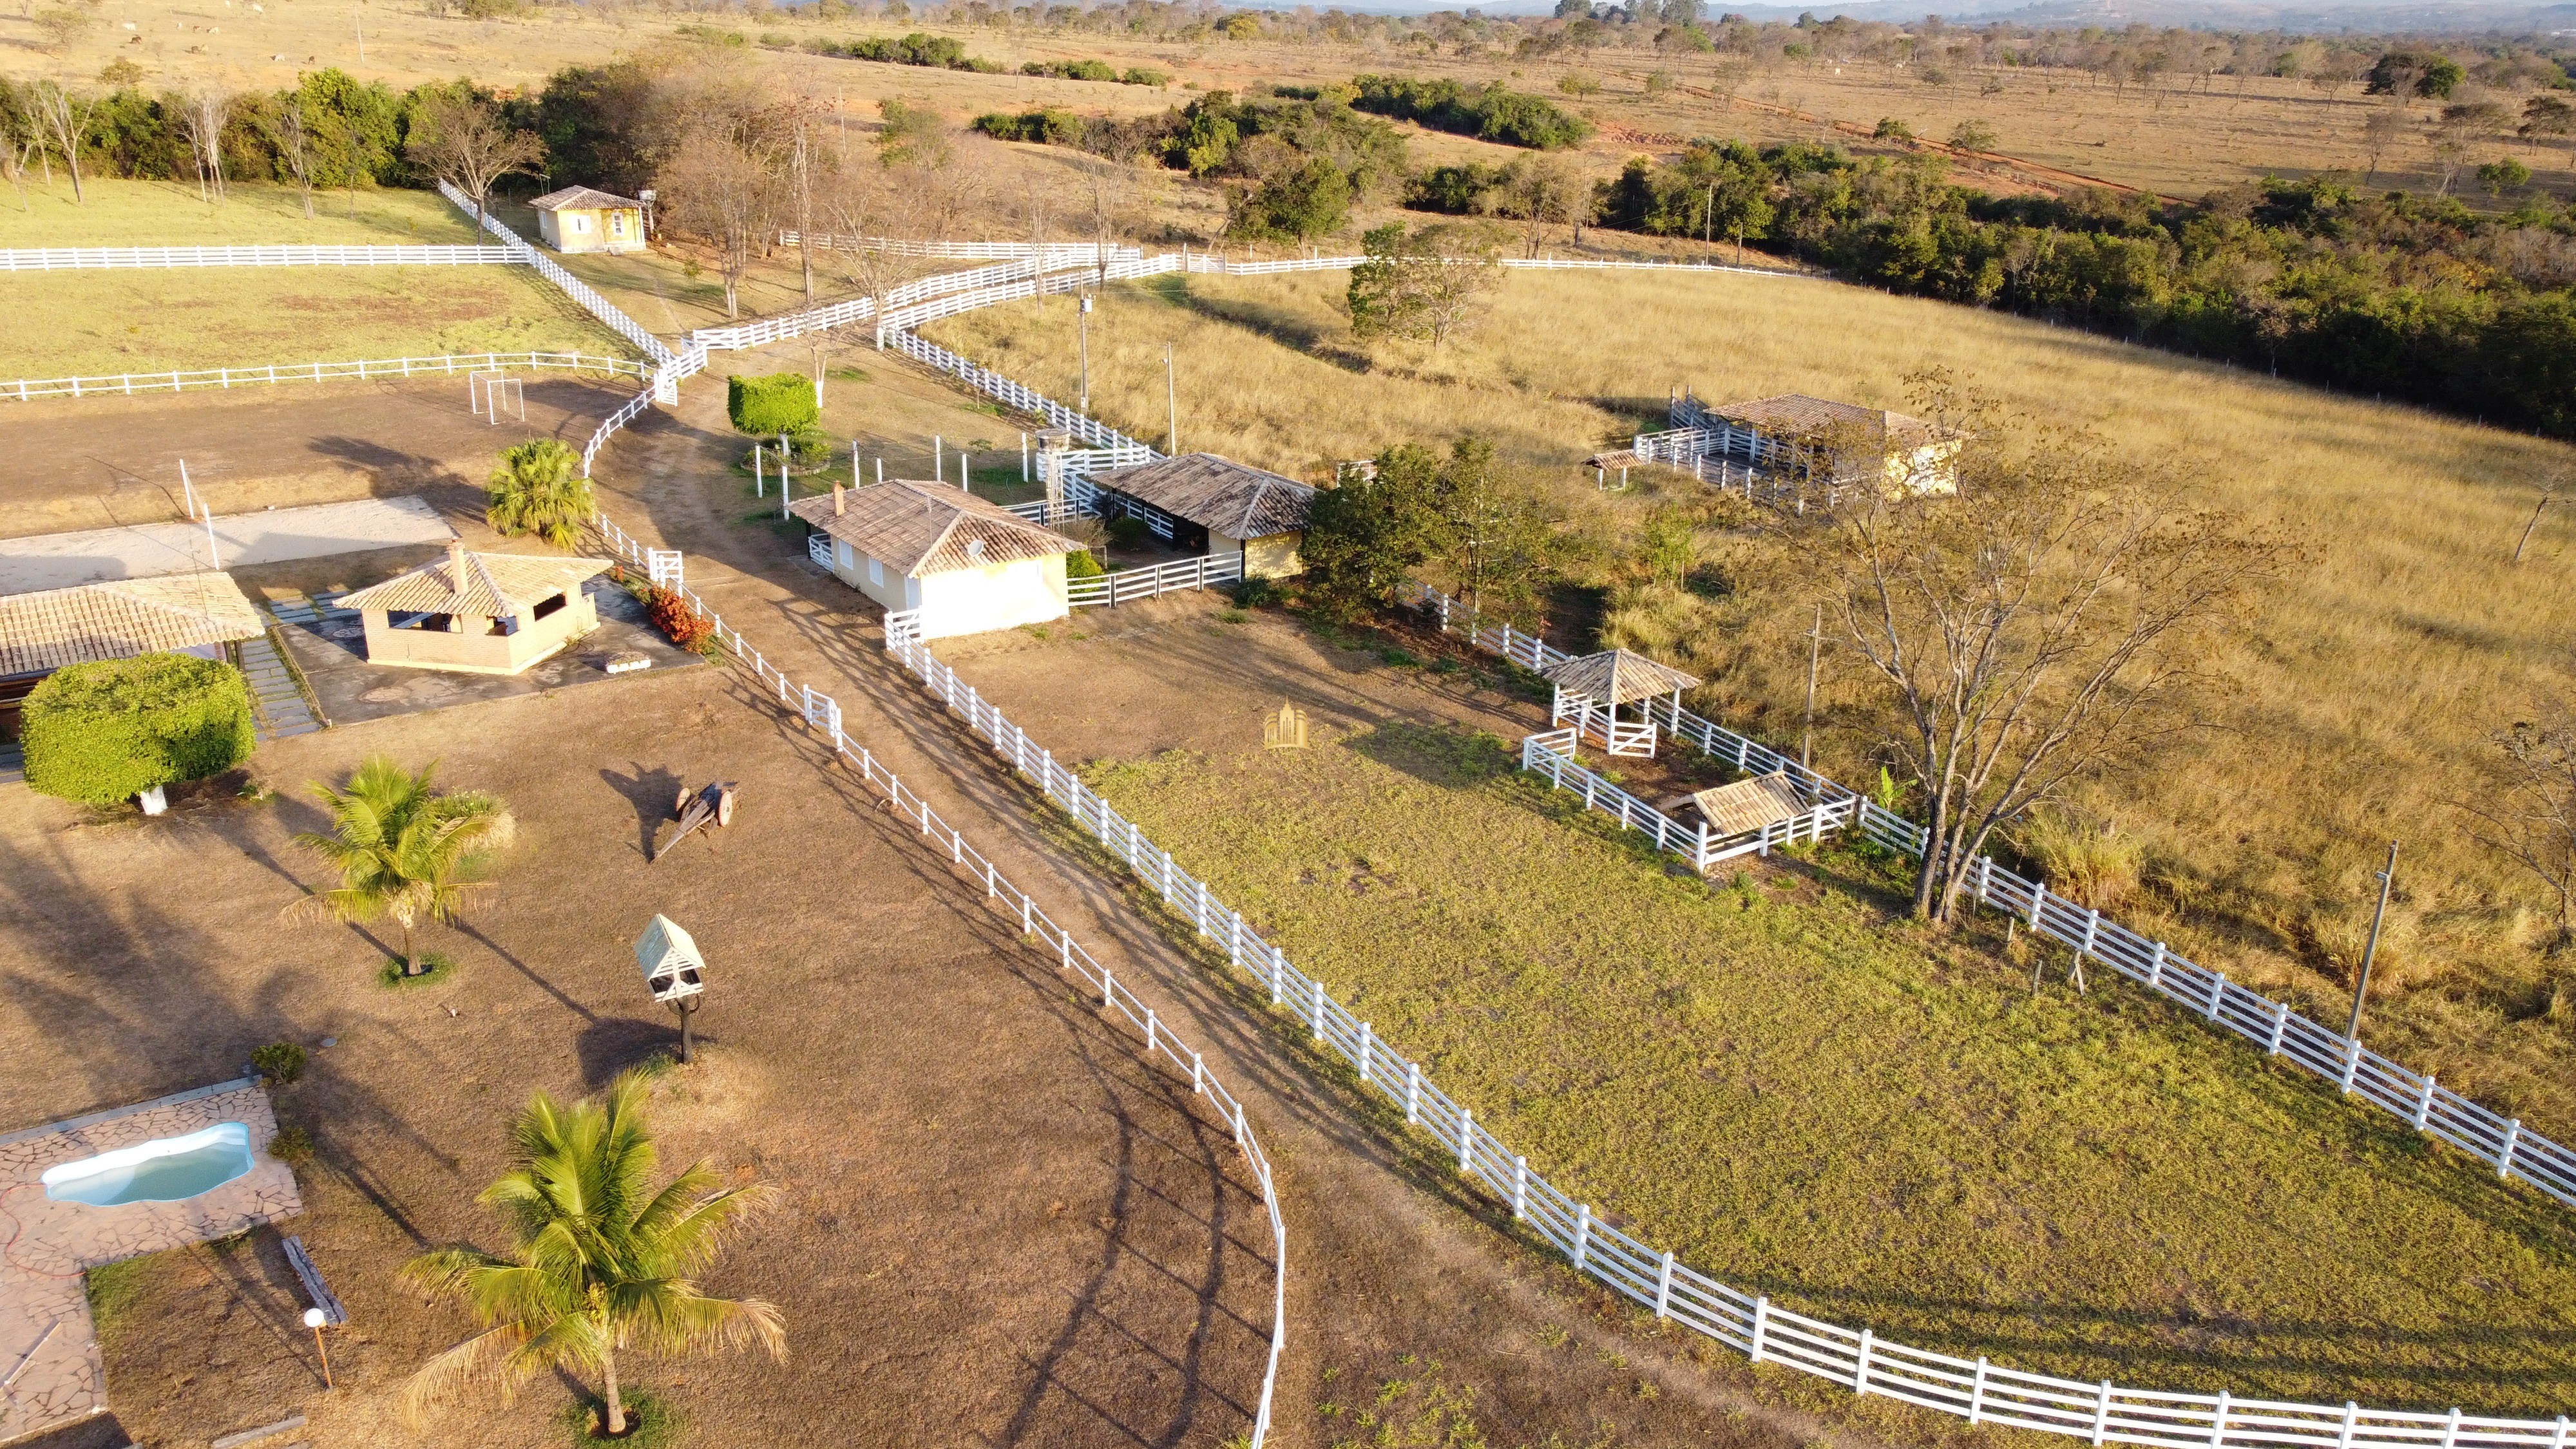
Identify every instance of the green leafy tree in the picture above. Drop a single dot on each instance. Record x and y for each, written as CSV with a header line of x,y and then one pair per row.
x,y
765,407
105,732
1365,535
1500,550
2503,177
538,489
403,849
1428,285
1973,136
2423,73
602,1262
1306,200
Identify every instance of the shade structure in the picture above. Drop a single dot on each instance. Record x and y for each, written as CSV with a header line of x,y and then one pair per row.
x,y
1616,677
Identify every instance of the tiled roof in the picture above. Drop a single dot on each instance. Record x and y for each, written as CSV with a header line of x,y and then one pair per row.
x,y
582,198
1217,494
488,585
918,528
52,628
1750,804
1617,677
1796,415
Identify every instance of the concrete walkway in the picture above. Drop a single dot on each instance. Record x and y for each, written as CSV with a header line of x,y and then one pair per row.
x,y
61,560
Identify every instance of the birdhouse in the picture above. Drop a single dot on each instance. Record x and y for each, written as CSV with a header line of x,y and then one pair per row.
x,y
673,969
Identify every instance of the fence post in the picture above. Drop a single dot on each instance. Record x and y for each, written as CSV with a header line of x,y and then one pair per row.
x,y
1368,1045
1466,1138
1315,1004
1108,981
2102,1413
1582,1237
1977,1395
2217,994
2280,1026
2351,1063
2156,971
1664,1287
1761,1319
1860,1365
1278,964
1520,1186
2218,1421
2504,1156
1412,1092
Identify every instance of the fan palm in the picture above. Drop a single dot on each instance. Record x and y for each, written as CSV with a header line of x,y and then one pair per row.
x,y
402,848
602,1261
538,488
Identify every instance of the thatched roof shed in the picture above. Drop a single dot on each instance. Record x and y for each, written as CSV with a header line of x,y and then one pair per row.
x,y
1616,677
1748,805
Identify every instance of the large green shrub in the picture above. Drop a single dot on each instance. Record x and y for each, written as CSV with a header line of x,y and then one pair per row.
x,y
102,733
782,402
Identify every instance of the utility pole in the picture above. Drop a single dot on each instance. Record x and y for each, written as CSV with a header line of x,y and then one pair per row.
x,y
1815,651
1172,400
2361,990
1082,319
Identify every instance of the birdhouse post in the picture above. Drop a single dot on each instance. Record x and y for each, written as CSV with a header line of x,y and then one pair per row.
x,y
673,971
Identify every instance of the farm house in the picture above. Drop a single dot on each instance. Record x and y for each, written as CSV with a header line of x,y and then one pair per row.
x,y
477,613
1800,434
52,629
1201,500
969,566
578,219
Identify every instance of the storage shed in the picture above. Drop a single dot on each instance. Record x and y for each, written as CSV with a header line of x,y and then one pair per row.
x,y
477,613
968,565
52,629
1242,509
1842,441
579,219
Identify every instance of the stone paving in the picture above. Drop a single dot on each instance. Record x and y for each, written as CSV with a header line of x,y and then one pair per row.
x,y
50,1373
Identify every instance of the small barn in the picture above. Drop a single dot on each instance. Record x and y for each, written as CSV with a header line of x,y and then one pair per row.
x,y
1239,508
477,613
1842,442
967,564
52,629
579,219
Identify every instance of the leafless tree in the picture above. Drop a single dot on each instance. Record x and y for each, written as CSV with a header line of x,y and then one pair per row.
x,y
2528,813
1537,190
67,119
201,119
291,131
459,139
2379,133
2051,620
800,173
2550,114
723,186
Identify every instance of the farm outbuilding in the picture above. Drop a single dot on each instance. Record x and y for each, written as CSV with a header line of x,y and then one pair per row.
x,y
968,565
1239,508
579,219
52,629
1591,690
477,613
1845,442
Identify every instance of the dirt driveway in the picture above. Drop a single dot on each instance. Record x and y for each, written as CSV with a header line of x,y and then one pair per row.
x,y
1401,1289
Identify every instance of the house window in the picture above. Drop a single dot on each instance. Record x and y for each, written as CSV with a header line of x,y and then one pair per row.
x,y
876,573
431,623
617,223
580,222
841,551
547,606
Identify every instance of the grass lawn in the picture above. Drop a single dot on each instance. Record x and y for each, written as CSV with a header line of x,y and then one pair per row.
x,y
169,214
1771,1078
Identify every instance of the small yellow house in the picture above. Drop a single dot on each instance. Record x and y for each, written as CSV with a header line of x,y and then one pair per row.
x,y
578,219
1243,509
968,565
477,613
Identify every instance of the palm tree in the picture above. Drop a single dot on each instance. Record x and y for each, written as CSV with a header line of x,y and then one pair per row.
x,y
538,488
402,849
602,1261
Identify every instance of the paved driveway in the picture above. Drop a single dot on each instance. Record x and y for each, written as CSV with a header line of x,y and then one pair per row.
x,y
60,560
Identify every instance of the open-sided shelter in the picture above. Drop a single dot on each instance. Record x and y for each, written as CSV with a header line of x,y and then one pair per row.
x,y
1839,442
967,564
1241,509
1592,688
52,629
477,613
580,219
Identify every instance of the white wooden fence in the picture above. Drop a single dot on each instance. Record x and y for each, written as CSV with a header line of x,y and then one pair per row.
x,y
573,287
1129,585
1551,753
2436,1111
81,259
1086,253
129,383
1975,1389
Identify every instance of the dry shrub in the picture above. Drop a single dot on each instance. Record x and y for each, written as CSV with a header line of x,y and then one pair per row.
x,y
2084,862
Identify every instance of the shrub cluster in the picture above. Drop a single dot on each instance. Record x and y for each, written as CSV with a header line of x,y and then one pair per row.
x,y
779,402
936,51
1491,113
104,733
670,612
1096,70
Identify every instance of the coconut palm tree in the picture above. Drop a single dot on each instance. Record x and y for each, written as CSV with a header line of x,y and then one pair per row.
x,y
402,848
538,488
602,1261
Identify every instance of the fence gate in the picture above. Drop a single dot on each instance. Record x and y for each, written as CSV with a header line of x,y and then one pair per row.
x,y
662,566
823,711
903,628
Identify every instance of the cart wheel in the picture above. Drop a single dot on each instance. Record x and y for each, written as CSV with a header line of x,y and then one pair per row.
x,y
680,806
724,808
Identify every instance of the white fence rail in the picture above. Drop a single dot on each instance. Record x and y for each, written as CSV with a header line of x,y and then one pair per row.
x,y
127,384
856,309
573,287
1129,585
1070,252
2501,1142
82,259
1975,1389
1551,753
1116,448
973,867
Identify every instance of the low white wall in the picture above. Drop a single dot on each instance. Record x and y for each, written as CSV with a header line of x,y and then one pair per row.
x,y
996,596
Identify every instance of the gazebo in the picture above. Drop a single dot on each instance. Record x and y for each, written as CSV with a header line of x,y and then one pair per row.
x,y
477,613
1591,689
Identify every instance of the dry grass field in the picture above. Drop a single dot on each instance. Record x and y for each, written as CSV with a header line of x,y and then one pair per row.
x,y
2362,703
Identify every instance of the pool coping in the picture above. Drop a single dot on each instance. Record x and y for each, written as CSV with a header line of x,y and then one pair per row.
x,y
74,1124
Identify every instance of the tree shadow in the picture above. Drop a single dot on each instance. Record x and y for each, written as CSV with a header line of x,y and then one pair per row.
x,y
610,1045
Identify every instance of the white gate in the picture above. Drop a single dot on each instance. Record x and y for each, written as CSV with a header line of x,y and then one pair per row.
x,y
823,712
662,566
903,628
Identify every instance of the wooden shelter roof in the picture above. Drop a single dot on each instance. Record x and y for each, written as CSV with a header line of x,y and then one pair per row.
x,y
1617,677
1748,805
584,198
487,585
89,623
1217,494
918,528
1796,415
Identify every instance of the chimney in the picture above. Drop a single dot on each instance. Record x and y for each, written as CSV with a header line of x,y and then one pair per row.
x,y
838,503
456,563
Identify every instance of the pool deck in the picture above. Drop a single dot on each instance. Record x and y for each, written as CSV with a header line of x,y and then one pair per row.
x,y
50,1372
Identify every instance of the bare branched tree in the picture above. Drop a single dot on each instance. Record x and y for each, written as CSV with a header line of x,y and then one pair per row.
x,y
1537,190
724,185
67,119
2053,619
2528,813
459,138
299,149
201,119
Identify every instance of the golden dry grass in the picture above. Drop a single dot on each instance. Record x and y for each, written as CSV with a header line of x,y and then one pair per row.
x,y
2363,699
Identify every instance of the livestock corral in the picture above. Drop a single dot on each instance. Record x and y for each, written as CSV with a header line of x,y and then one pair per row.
x,y
1150,1006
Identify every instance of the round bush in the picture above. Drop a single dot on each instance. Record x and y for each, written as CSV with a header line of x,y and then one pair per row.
x,y
103,733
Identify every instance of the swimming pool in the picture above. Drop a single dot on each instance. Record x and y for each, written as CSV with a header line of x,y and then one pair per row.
x,y
166,1169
